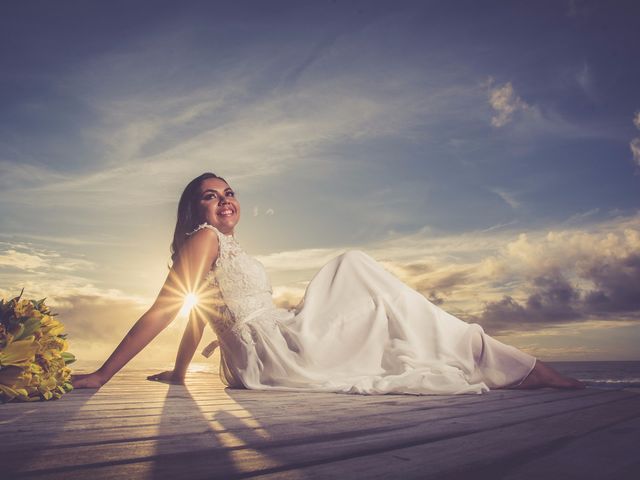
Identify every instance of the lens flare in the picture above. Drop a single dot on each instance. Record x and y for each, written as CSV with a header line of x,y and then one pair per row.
x,y
190,301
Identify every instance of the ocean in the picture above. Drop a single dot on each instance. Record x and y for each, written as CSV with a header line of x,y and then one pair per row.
x,y
598,374
601,374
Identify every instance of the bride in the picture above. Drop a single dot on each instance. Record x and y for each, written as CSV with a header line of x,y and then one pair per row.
x,y
358,329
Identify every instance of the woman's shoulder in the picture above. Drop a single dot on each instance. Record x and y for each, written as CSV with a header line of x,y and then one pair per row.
x,y
206,244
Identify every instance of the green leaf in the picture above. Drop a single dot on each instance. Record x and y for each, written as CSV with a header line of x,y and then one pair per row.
x,y
19,331
29,327
68,357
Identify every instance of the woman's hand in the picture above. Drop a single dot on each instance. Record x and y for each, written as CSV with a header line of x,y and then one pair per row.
x,y
87,380
169,376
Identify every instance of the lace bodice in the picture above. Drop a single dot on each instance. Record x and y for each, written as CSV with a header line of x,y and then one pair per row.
x,y
240,280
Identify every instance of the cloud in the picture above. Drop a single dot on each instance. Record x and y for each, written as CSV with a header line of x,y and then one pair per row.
x,y
73,241
617,285
584,77
297,260
440,285
99,316
582,216
20,260
287,297
508,197
565,277
137,148
29,258
634,145
554,301
557,301
564,352
506,103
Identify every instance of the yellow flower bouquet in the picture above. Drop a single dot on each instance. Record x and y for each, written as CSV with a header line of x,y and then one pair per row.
x,y
33,356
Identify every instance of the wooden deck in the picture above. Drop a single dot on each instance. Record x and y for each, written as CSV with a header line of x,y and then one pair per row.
x,y
133,428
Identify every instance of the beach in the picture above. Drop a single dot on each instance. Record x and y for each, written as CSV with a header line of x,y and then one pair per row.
x,y
134,428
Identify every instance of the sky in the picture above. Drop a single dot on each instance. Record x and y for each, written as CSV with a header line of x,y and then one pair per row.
x,y
487,153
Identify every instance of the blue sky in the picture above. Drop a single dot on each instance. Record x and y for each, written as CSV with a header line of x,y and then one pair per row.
x,y
488,153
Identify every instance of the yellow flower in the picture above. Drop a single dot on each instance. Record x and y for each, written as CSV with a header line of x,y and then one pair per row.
x,y
16,382
18,353
33,357
51,326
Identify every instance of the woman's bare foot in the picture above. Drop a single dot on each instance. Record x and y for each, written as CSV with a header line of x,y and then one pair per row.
x,y
543,375
87,380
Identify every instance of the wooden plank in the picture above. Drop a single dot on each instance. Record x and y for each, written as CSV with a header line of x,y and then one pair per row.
x,y
266,407
596,444
189,418
609,452
292,443
327,460
133,428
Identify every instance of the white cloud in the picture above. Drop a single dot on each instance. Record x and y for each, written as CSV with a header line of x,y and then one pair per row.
x,y
20,176
634,145
20,260
581,216
33,259
584,78
263,137
506,103
74,241
295,260
508,197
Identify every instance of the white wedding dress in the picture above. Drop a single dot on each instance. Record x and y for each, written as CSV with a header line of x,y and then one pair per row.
x,y
359,329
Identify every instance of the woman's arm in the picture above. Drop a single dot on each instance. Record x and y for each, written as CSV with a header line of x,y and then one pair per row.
x,y
186,276
190,340
188,344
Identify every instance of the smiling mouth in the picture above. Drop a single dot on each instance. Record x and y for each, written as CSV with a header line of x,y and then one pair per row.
x,y
227,212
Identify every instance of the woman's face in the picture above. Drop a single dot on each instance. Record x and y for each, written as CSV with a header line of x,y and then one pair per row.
x,y
219,205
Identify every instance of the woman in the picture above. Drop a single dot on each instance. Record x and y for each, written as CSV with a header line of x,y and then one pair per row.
x,y
358,329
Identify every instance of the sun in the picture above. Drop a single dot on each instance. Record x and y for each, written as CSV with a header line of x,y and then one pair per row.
x,y
190,301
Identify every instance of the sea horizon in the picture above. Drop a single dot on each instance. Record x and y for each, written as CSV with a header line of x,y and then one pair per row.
x,y
608,374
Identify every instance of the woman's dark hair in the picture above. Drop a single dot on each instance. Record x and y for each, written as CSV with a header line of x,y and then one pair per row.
x,y
189,216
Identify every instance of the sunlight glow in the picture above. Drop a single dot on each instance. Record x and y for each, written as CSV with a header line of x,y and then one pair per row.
x,y
190,301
